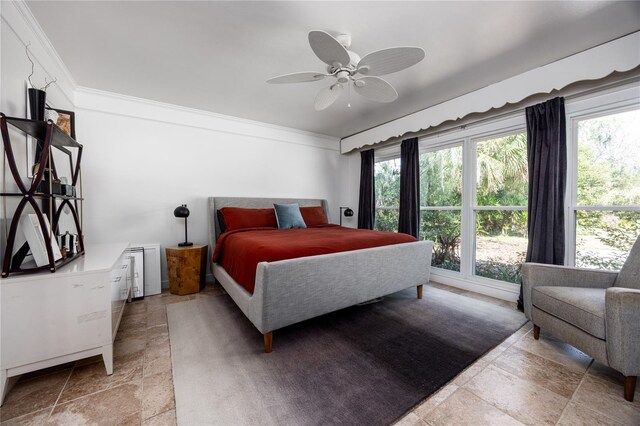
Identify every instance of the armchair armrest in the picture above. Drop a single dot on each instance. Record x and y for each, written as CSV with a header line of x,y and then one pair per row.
x,y
622,314
539,274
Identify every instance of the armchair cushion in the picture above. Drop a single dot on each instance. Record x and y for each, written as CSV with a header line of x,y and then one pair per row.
x,y
582,307
537,274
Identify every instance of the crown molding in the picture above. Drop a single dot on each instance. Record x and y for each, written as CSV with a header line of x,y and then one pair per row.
x,y
130,106
17,16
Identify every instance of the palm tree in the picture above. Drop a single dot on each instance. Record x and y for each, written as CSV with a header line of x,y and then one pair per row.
x,y
502,162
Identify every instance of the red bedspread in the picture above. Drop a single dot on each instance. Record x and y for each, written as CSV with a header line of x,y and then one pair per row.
x,y
240,251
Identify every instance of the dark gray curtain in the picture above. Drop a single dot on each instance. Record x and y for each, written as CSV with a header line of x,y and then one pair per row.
x,y
547,157
367,202
409,222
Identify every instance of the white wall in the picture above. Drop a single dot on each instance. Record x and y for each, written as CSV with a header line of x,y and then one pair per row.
x,y
142,159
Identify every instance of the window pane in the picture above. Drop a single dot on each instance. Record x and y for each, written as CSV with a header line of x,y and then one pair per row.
x,y
501,244
443,228
387,220
604,238
441,177
502,171
387,182
609,160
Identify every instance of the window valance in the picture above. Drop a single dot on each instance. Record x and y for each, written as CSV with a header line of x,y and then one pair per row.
x,y
620,55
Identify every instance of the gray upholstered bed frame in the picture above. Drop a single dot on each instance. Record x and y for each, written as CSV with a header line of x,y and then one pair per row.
x,y
290,291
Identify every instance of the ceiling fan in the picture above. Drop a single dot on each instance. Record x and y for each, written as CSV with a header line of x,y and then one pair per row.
x,y
349,69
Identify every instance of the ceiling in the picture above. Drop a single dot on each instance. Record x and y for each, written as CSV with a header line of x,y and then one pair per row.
x,y
216,56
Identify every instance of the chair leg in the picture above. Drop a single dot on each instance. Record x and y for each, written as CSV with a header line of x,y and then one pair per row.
x,y
268,342
629,387
536,332
420,292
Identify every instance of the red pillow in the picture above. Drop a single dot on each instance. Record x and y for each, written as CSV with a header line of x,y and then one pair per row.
x,y
313,216
239,218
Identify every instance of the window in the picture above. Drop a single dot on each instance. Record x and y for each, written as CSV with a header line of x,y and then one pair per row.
x,y
441,204
474,190
387,193
501,207
473,195
605,209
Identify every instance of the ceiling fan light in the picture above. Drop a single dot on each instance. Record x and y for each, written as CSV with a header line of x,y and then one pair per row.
x,y
345,65
344,39
354,58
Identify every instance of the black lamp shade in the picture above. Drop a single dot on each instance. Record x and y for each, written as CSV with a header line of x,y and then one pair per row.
x,y
181,211
347,212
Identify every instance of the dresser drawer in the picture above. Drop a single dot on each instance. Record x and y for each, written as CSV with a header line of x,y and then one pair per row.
x,y
120,287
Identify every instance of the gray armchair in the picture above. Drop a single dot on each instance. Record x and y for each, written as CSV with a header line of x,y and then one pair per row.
x,y
598,312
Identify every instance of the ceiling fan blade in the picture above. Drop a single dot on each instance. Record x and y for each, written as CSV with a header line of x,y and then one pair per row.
x,y
387,61
328,49
376,89
297,77
327,96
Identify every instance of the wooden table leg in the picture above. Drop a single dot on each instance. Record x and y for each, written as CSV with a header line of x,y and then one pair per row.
x,y
268,342
536,332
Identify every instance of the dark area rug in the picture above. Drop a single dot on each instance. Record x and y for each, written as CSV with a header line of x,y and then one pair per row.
x,y
362,365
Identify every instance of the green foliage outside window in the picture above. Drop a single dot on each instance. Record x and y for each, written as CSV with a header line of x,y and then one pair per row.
x,y
501,235
387,190
608,175
441,186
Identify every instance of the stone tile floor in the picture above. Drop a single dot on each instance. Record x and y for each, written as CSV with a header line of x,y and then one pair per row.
x,y
522,381
139,392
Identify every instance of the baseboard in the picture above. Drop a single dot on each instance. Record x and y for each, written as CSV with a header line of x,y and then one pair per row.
x,y
504,291
208,279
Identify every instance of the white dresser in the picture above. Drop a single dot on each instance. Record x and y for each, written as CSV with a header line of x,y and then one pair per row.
x,y
74,313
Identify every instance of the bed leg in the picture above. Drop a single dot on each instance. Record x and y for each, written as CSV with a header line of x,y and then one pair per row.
x,y
420,291
268,342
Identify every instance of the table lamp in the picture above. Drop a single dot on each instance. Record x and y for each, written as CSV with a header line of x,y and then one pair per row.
x,y
348,213
183,211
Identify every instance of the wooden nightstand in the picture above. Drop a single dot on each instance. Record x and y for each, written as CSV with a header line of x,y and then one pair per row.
x,y
187,267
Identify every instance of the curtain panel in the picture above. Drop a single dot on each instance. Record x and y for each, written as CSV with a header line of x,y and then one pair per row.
x,y
367,201
409,222
547,161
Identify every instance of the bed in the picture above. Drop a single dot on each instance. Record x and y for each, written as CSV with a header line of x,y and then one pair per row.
x,y
288,291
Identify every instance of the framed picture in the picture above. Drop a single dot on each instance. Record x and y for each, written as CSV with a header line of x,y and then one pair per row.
x,y
66,121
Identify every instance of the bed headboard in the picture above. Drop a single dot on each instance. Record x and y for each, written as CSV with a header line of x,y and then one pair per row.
x,y
216,203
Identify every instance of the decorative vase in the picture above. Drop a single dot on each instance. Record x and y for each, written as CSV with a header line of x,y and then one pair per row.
x,y
37,100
